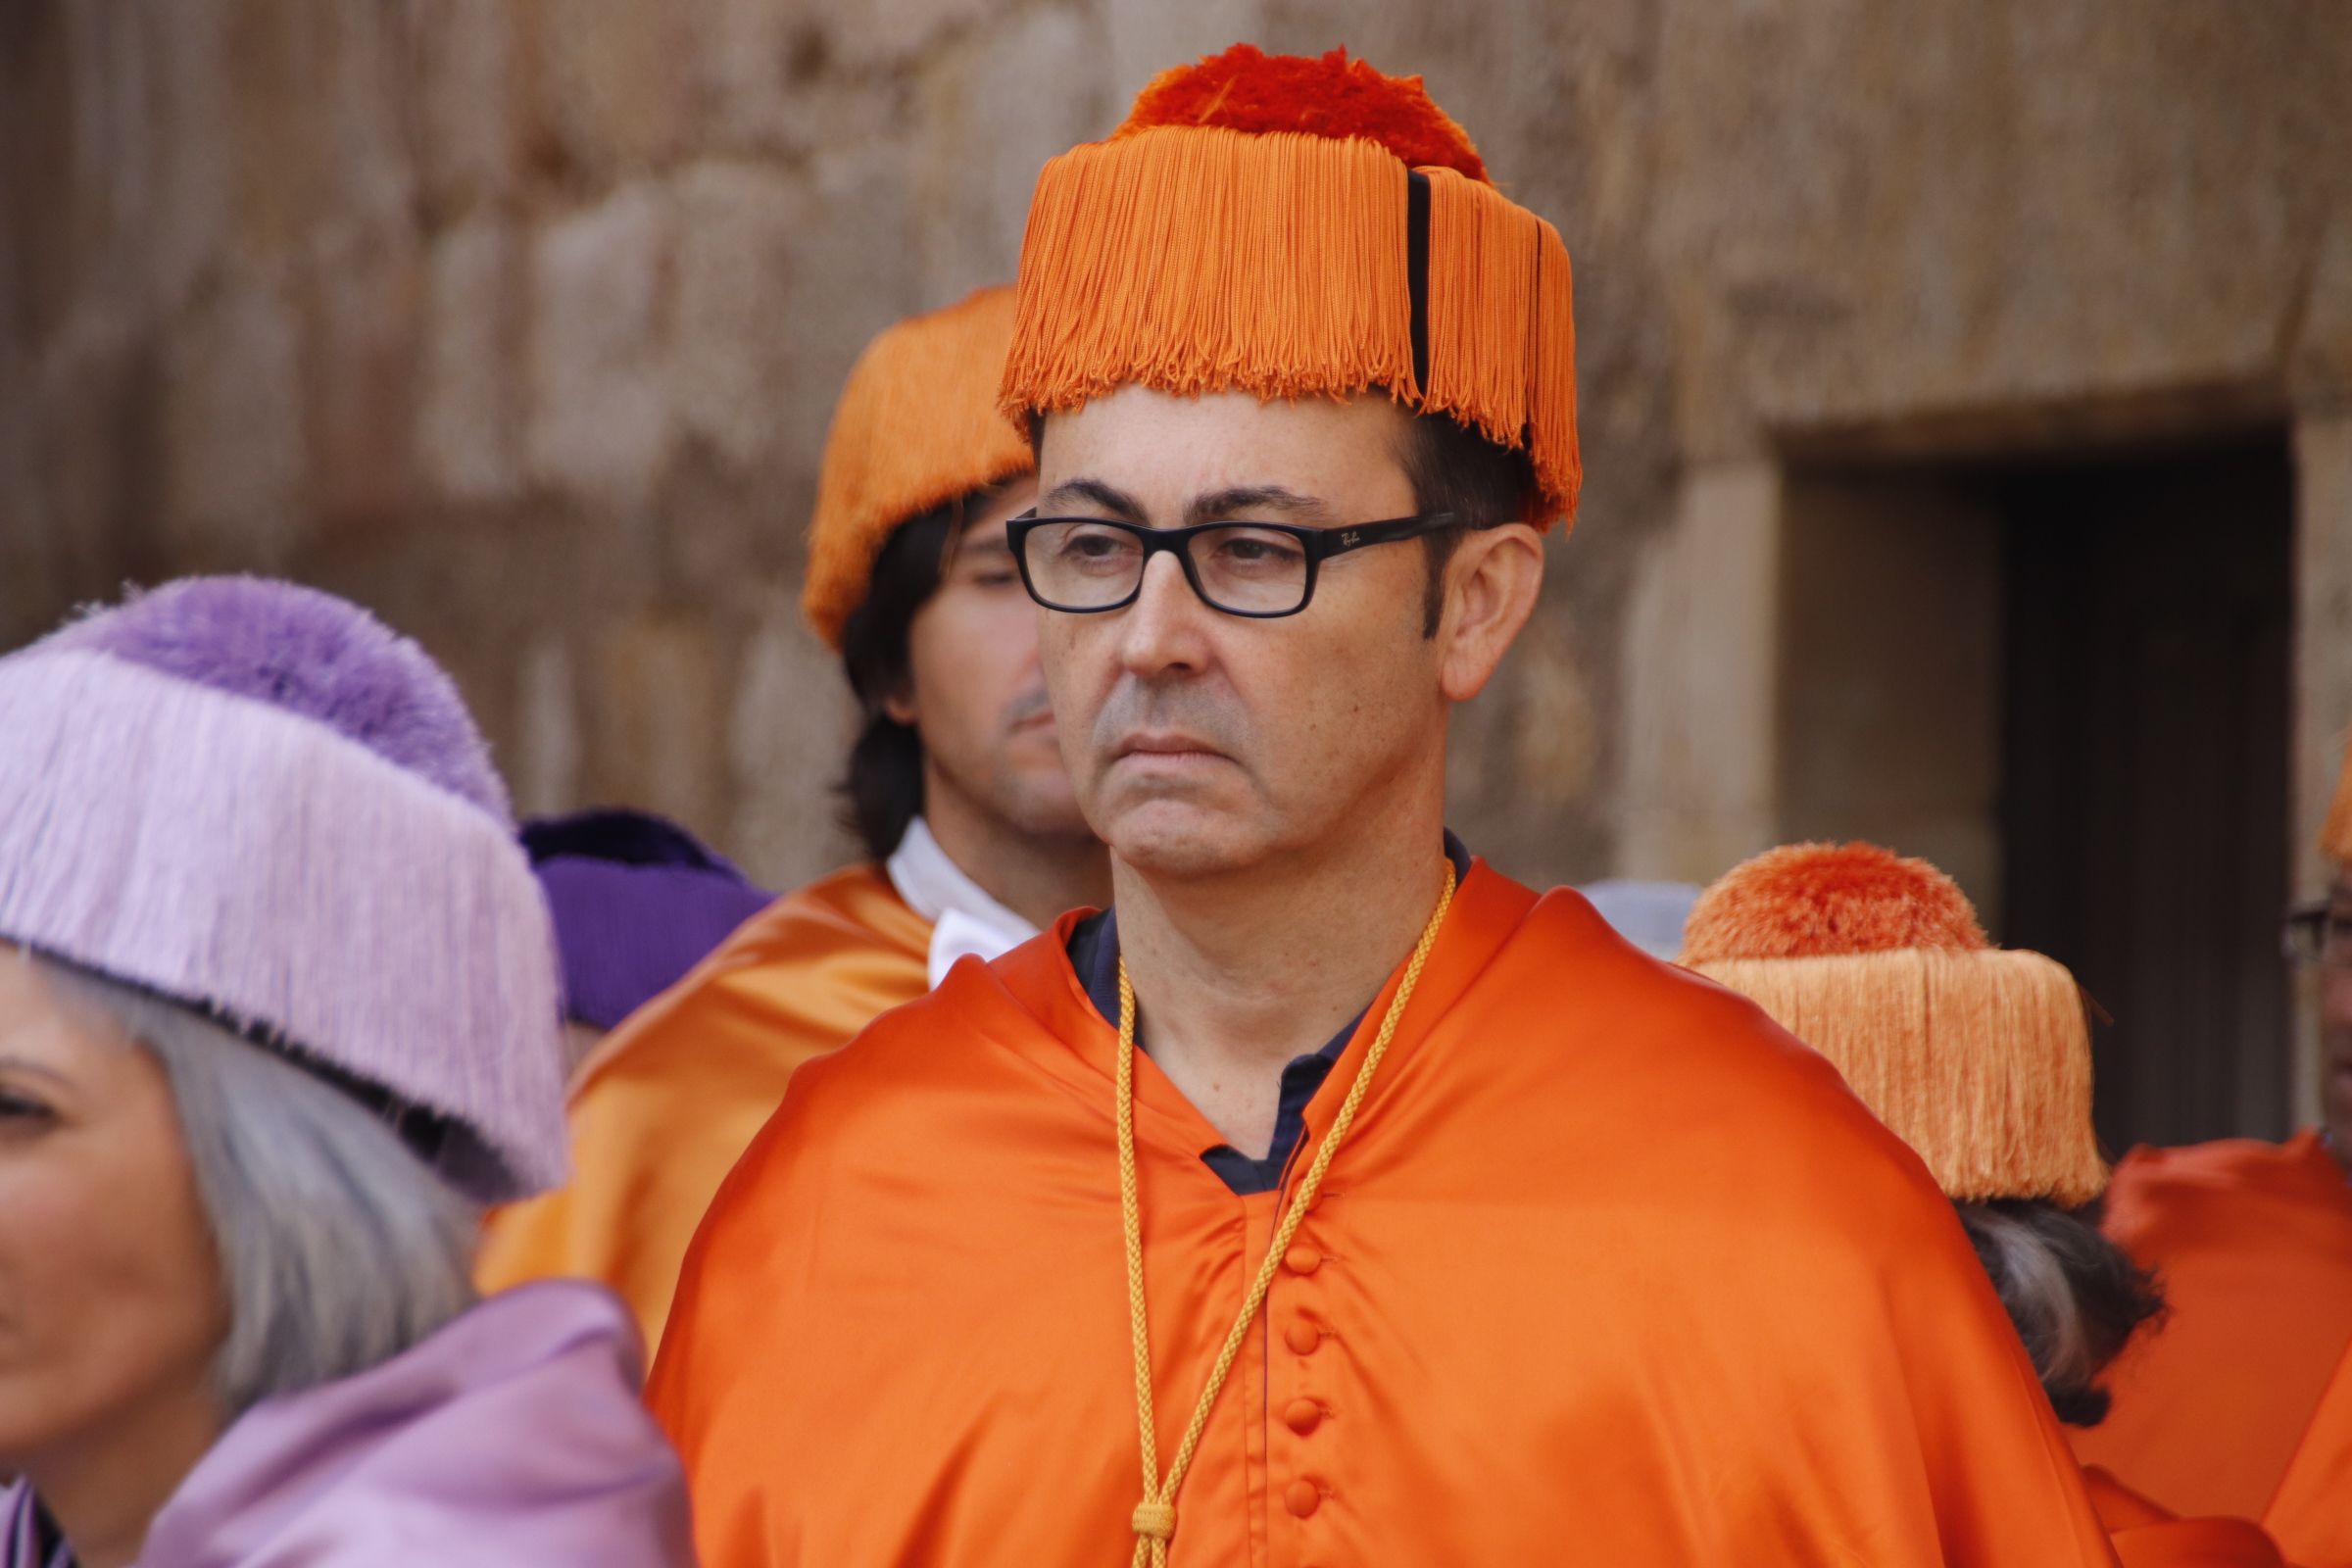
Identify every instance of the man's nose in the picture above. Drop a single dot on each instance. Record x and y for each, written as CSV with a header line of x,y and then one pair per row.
x,y
1164,628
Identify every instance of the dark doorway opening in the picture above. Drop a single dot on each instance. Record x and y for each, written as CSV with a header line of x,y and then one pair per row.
x,y
2144,776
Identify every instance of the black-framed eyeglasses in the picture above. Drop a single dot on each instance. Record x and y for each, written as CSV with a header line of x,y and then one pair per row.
x,y
1085,565
2317,933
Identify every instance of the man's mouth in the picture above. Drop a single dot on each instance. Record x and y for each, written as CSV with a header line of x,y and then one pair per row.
x,y
1166,747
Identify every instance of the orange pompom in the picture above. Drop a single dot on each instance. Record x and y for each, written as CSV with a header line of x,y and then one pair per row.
x,y
1248,90
1808,901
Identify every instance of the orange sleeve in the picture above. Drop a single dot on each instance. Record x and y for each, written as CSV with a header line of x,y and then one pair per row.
x,y
2253,1244
672,1099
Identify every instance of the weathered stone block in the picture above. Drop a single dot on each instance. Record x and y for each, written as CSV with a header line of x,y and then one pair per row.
x,y
360,382
471,97
87,437
788,733
601,415
544,765
317,121
658,724
235,459
194,168
737,225
619,81
1025,90
470,406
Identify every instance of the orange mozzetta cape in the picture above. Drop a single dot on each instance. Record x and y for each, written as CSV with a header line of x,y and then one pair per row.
x,y
2146,1535
2253,1243
2311,1515
672,1097
1610,1270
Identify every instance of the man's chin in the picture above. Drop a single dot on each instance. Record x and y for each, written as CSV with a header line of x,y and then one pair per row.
x,y
1179,840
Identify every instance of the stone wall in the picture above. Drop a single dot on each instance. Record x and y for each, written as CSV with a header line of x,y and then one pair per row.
x,y
521,320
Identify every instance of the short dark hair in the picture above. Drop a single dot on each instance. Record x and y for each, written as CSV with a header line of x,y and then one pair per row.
x,y
1453,468
882,791
2075,1297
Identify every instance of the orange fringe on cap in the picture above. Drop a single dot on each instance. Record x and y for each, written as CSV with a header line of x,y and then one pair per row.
x,y
1976,1056
1194,257
1502,330
2335,839
916,428
1208,260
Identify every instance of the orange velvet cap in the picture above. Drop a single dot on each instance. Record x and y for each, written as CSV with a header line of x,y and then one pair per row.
x,y
1976,1056
1252,226
916,428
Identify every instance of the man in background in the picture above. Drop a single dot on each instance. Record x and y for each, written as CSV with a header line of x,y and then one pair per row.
x,y
955,788
2223,1407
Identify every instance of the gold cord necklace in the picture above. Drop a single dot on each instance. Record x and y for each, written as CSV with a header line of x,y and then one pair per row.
x,y
1155,1519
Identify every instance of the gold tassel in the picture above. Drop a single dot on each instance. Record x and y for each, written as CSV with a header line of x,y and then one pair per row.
x,y
1980,1061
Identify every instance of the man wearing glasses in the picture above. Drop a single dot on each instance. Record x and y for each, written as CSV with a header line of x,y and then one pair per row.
x,y
2243,1404
1332,1198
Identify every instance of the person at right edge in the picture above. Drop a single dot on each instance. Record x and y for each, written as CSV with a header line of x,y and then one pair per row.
x,y
1332,1198
1978,1058
2243,1404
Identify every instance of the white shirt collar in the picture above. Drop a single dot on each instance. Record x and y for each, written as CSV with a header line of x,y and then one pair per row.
x,y
965,918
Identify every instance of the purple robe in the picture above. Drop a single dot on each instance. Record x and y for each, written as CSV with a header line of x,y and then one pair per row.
x,y
515,1434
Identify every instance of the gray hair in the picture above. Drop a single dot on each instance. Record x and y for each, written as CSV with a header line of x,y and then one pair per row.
x,y
339,1248
2075,1297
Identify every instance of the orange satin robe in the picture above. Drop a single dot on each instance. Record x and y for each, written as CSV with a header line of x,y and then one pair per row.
x,y
2146,1535
2253,1243
2311,1513
671,1097
1611,1270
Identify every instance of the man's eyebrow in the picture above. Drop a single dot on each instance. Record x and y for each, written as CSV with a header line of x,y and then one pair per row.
x,y
1118,503
1221,505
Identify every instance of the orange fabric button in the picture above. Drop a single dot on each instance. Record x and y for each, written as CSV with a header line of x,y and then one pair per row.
x,y
1302,1260
1302,1497
1302,1337
1303,1416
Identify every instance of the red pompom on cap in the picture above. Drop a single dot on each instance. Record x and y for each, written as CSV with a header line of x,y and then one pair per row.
x,y
1248,90
1808,901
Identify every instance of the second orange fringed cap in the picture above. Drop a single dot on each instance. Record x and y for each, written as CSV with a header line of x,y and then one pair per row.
x,y
916,428
1976,1056
1292,227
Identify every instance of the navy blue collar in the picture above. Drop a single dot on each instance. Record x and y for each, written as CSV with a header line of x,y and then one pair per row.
x,y
1093,950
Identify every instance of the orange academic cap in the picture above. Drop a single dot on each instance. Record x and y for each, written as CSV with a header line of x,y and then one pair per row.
x,y
1294,226
1976,1056
916,428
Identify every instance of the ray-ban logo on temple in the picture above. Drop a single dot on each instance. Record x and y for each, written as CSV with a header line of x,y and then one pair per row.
x,y
1084,565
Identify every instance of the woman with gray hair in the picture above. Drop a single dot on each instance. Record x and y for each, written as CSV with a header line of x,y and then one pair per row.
x,y
278,1017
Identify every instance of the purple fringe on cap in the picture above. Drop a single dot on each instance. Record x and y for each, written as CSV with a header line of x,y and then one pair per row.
x,y
306,652
253,797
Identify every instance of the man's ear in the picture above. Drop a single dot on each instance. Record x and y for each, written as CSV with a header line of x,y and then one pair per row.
x,y
899,707
1491,588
